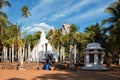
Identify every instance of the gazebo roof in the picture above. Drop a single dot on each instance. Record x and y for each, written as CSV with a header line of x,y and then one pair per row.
x,y
93,45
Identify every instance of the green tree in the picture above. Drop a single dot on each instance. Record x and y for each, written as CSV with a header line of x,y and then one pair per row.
x,y
114,27
94,33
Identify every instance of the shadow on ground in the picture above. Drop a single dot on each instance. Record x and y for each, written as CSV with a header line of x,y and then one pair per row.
x,y
16,79
82,75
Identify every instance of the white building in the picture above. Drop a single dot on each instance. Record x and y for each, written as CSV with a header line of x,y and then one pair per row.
x,y
41,49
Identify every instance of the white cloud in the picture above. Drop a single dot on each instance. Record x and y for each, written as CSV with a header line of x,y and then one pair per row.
x,y
38,27
42,5
90,14
43,8
71,9
57,11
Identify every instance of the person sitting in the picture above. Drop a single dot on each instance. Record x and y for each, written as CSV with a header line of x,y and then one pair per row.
x,y
47,65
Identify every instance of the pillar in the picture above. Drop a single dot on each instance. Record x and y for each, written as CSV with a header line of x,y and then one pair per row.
x,y
95,59
87,59
101,59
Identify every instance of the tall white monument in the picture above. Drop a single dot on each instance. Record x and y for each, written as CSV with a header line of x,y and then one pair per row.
x,y
41,49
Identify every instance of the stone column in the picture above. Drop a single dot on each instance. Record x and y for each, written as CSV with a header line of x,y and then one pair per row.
x,y
87,59
95,59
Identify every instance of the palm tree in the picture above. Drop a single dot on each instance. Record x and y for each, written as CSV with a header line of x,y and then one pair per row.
x,y
114,11
24,11
57,40
3,21
94,33
3,16
14,40
73,42
4,3
114,21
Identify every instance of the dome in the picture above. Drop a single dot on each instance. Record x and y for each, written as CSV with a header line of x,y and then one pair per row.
x,y
93,45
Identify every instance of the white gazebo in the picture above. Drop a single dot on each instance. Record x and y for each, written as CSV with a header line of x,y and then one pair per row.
x,y
93,57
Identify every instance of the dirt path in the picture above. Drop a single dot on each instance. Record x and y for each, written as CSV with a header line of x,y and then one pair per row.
x,y
59,75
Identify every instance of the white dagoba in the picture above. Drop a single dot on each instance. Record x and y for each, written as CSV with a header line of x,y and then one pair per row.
x,y
39,50
42,43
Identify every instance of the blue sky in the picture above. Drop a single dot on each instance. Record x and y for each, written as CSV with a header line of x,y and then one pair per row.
x,y
51,14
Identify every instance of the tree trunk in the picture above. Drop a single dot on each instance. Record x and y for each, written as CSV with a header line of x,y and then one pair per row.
x,y
23,52
18,54
21,56
58,53
62,54
71,54
4,53
12,52
29,51
63,49
75,52
6,56
9,54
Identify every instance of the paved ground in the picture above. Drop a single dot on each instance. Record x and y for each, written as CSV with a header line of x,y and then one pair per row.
x,y
59,75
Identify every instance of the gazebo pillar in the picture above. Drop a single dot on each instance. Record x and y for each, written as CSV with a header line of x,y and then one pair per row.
x,y
87,59
95,59
101,59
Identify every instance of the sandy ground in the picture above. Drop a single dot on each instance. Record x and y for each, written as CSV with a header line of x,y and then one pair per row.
x,y
59,75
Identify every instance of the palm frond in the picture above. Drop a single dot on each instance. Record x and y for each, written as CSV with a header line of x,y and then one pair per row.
x,y
3,15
